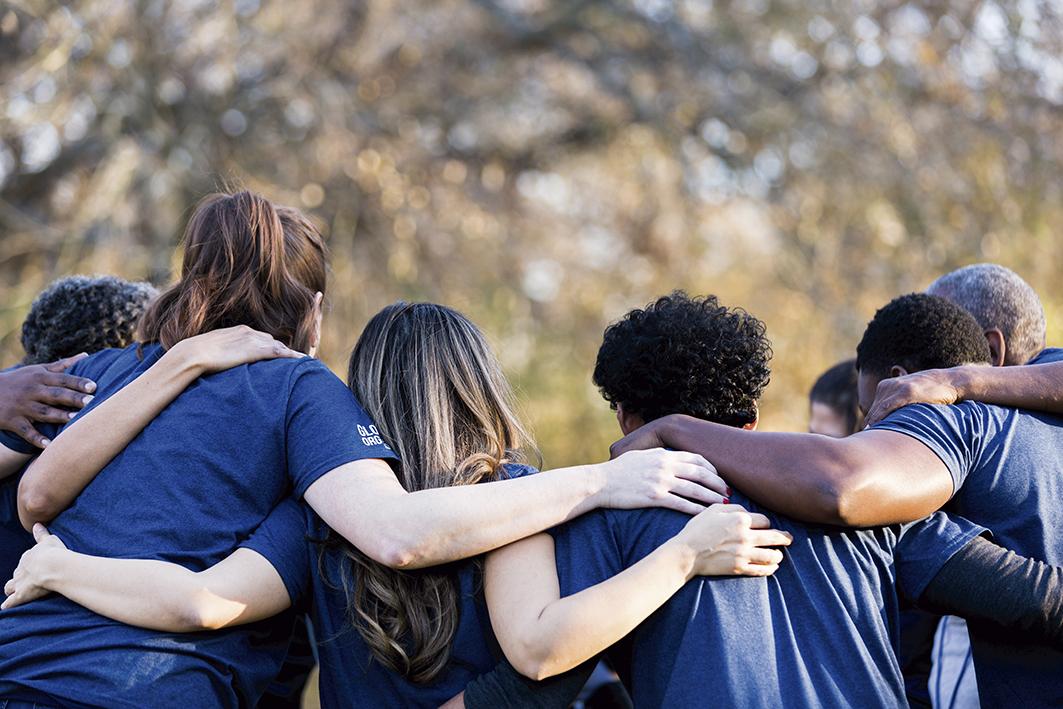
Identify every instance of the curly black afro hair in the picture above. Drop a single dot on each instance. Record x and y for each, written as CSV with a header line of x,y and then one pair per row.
x,y
920,331
82,314
683,355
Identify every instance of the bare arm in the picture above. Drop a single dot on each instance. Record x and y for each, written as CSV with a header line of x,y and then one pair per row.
x,y
159,595
364,502
1038,387
85,447
869,479
544,635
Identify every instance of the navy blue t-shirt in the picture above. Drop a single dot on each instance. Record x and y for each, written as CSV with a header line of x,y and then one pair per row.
x,y
350,675
189,489
1007,468
14,540
819,633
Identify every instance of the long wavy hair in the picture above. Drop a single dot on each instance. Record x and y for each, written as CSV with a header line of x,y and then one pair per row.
x,y
246,262
430,382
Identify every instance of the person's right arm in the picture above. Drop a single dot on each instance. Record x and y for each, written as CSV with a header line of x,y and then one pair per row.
x,y
1037,387
872,478
87,445
242,588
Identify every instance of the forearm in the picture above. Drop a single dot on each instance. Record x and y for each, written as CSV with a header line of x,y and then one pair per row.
x,y
85,447
862,480
145,593
430,527
1038,387
984,581
573,629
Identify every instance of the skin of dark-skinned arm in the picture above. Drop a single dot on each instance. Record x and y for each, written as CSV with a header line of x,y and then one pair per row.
x,y
986,582
505,687
869,479
1037,387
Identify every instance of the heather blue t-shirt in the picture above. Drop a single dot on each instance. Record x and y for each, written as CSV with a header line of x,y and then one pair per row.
x,y
1007,467
189,489
819,633
350,675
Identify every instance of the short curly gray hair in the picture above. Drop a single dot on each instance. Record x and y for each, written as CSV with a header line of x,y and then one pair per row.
x,y
998,298
83,314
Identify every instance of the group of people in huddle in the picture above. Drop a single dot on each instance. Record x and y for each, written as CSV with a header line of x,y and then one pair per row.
x,y
195,509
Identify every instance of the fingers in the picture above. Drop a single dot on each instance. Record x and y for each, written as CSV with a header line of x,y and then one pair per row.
x,y
64,364
24,429
701,471
769,538
756,569
69,382
680,504
42,413
770,557
696,492
9,587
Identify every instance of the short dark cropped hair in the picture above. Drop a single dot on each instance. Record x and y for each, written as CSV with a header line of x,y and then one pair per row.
x,y
83,314
836,388
920,331
683,355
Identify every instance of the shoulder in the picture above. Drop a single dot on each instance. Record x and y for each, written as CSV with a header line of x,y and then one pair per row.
x,y
98,364
1049,354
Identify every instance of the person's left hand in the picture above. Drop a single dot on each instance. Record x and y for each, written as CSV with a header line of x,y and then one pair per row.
x,y
931,386
27,583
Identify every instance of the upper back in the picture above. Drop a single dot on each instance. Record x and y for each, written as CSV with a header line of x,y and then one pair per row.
x,y
818,632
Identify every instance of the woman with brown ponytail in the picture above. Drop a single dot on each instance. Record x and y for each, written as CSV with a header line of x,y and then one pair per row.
x,y
387,637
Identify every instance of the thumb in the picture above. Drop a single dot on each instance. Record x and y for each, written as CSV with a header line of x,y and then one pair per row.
x,y
40,532
62,365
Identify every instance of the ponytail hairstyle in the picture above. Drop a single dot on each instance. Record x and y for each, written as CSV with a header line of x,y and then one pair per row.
x,y
428,379
246,262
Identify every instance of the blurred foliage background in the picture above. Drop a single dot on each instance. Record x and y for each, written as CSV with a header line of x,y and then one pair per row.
x,y
545,166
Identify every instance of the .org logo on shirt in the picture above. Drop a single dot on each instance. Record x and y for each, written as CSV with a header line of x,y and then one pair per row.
x,y
371,436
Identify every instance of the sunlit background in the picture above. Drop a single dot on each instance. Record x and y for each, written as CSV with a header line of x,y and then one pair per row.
x,y
545,166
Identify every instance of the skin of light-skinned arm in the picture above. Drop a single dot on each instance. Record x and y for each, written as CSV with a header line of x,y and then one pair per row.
x,y
871,478
543,635
86,446
1037,387
364,503
11,461
159,595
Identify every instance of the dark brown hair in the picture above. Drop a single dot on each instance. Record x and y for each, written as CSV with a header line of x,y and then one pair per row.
x,y
246,262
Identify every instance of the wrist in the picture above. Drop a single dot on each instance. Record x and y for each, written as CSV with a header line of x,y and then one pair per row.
x,y
964,382
682,555
49,567
596,481
182,362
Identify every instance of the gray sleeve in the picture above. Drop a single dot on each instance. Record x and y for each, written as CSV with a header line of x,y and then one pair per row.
x,y
504,687
984,581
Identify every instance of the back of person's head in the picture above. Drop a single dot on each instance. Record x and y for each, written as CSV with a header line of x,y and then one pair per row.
x,y
999,299
246,262
835,390
83,314
436,392
917,332
684,355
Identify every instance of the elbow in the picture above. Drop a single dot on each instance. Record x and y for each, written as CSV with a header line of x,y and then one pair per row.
x,y
836,499
534,667
396,553
202,611
35,505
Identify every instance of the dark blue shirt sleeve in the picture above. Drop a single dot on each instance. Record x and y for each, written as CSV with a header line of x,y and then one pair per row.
x,y
927,545
586,552
326,427
1047,355
954,433
281,539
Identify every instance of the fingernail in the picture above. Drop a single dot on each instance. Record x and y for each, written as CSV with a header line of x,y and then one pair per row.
x,y
85,400
727,500
90,387
728,492
70,415
44,442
